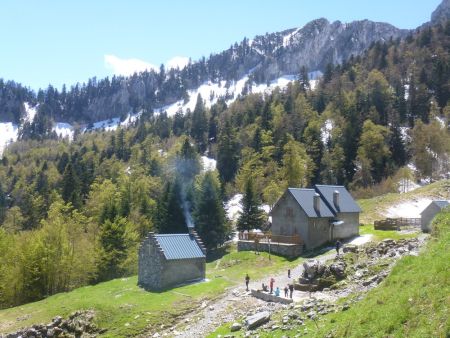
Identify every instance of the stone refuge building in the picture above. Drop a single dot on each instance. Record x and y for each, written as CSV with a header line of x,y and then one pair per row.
x,y
167,260
319,215
429,212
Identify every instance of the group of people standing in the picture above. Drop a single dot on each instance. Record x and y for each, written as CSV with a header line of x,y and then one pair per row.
x,y
288,289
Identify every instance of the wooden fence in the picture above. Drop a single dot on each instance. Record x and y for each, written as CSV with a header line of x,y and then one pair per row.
x,y
263,237
396,223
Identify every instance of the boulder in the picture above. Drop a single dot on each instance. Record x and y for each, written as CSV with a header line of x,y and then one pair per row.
x,y
350,248
257,320
235,327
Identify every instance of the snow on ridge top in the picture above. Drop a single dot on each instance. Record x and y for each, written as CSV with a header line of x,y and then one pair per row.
x,y
287,38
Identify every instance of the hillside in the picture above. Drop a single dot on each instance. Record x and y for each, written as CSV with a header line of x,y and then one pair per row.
x,y
121,308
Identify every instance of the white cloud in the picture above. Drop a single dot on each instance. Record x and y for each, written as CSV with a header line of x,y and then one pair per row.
x,y
126,66
130,66
177,62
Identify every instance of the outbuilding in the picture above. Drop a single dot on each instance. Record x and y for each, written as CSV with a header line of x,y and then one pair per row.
x,y
168,260
430,212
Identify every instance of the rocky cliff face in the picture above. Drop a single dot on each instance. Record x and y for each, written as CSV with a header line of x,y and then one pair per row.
x,y
442,12
321,42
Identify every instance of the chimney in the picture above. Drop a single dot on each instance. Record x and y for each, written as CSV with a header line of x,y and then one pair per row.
x,y
317,202
336,199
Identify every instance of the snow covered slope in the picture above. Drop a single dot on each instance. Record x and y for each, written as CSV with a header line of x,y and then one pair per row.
x,y
8,134
212,92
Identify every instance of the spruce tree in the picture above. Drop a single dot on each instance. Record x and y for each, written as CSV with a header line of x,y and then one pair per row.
x,y
209,215
113,245
251,217
71,187
227,153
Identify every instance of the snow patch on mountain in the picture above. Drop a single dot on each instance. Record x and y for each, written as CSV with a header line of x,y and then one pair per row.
x,y
30,112
113,123
63,130
409,209
8,134
234,207
211,92
326,131
208,164
287,38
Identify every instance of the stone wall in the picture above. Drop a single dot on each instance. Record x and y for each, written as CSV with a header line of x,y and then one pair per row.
x,y
427,216
349,228
151,264
155,272
181,271
288,218
270,297
318,232
286,250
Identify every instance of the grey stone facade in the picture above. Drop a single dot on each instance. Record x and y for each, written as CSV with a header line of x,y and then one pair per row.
x,y
430,212
318,215
282,249
158,272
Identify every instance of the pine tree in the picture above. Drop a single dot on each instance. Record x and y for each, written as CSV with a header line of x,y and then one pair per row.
x,y
227,153
170,217
199,127
209,214
251,217
113,249
70,187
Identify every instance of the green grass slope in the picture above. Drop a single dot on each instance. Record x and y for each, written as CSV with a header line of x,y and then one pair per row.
x,y
375,208
124,309
414,301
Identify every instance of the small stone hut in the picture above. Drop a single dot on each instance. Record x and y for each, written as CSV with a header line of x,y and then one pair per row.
x,y
167,260
429,212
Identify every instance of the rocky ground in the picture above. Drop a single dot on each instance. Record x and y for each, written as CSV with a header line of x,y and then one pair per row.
x,y
78,324
359,269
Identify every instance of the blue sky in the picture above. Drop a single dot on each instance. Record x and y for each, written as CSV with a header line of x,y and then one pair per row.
x,y
60,42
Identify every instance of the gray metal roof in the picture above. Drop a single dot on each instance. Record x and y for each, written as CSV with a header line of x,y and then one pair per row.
x,y
441,204
346,201
305,198
179,246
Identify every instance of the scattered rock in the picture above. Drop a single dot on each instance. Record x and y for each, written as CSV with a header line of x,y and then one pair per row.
x,y
79,324
350,248
257,320
235,327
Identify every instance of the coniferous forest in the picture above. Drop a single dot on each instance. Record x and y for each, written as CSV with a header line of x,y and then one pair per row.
x,y
74,213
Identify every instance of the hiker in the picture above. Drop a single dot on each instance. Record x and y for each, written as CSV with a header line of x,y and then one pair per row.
x,y
272,281
338,246
264,287
286,289
247,280
289,273
291,290
277,292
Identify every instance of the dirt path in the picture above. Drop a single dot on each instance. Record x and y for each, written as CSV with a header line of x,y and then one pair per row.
x,y
236,302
